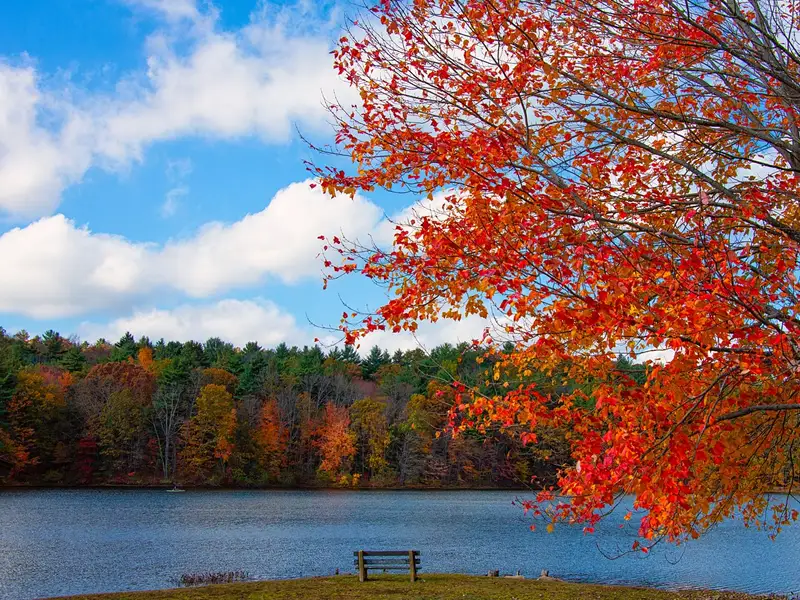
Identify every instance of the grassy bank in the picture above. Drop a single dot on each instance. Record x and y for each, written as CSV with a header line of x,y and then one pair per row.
x,y
430,587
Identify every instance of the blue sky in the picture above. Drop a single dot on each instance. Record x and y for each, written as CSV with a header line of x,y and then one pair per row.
x,y
151,178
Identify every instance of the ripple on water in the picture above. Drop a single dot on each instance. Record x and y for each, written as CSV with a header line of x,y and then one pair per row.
x,y
57,542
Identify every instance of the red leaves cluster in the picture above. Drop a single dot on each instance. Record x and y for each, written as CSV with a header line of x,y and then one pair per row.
x,y
607,178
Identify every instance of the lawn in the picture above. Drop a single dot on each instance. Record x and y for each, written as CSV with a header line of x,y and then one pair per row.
x,y
429,587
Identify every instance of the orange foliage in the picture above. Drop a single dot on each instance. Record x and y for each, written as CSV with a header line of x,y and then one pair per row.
x,y
606,178
118,376
220,377
335,441
145,359
272,438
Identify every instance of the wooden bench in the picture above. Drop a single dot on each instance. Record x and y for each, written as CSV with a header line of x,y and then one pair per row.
x,y
386,560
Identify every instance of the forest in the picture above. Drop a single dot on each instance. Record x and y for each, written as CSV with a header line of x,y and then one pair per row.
x,y
142,413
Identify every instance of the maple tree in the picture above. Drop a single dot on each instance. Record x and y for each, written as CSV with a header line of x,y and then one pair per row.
x,y
601,178
272,439
336,442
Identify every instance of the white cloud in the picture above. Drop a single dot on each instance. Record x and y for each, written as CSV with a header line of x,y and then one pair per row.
x,y
36,164
55,268
172,200
52,268
236,321
200,81
280,240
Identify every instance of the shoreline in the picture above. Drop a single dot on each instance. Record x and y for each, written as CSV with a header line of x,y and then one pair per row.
x,y
296,488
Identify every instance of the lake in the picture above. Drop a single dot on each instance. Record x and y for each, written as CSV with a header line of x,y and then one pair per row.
x,y
58,542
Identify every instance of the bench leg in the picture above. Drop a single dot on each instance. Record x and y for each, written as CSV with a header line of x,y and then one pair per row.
x,y
412,566
362,570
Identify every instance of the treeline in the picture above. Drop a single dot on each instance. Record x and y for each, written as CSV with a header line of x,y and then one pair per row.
x,y
137,412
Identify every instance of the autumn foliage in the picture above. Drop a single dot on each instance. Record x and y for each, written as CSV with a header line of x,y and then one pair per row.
x,y
600,178
336,441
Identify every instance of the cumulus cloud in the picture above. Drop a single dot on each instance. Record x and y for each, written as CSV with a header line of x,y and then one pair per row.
x,y
280,240
37,163
236,321
51,268
56,268
200,81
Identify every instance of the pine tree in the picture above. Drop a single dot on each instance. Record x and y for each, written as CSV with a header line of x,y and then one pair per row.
x,y
125,348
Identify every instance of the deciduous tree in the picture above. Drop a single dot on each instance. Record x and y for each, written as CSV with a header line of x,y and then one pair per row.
x,y
208,435
336,442
603,177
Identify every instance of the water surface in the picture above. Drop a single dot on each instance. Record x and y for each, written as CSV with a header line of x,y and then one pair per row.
x,y
58,542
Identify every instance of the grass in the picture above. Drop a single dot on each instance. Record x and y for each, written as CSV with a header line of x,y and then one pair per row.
x,y
429,587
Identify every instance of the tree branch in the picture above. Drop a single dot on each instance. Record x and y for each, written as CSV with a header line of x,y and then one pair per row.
x,y
759,408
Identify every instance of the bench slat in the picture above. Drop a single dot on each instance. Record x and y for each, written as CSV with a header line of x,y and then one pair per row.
x,y
388,568
386,561
383,564
387,553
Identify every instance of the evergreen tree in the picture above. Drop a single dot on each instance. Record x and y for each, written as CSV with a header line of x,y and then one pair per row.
x,y
374,361
350,355
125,348
73,360
250,351
192,354
215,350
54,346
251,383
311,361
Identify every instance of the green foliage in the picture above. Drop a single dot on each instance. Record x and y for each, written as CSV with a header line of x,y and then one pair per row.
x,y
73,360
374,361
125,348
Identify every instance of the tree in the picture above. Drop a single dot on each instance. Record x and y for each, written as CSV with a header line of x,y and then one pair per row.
x,y
374,361
73,360
92,392
36,416
605,178
125,348
122,432
372,435
272,439
54,344
336,442
208,435
220,377
166,415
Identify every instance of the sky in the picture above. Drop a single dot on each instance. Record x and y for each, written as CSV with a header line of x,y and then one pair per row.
x,y
152,174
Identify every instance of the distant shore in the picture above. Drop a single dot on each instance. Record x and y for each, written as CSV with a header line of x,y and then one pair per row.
x,y
165,486
438,586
